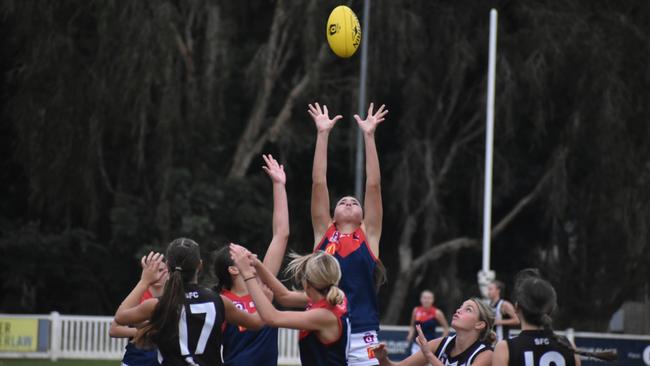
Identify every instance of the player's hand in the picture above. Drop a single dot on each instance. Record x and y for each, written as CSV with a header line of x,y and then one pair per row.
x,y
422,341
151,268
321,117
369,125
273,169
255,261
241,257
380,351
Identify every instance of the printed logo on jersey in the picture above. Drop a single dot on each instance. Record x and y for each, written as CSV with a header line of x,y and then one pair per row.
x,y
239,305
369,338
343,244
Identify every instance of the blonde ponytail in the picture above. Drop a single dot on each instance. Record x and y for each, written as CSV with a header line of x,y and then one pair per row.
x,y
296,268
321,271
335,295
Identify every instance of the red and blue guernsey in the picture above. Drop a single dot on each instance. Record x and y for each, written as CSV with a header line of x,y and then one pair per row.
x,y
358,265
246,347
426,318
314,352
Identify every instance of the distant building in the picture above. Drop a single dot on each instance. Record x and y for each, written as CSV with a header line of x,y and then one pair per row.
x,y
632,318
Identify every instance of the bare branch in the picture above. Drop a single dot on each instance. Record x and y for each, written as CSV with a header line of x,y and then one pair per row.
x,y
516,210
456,244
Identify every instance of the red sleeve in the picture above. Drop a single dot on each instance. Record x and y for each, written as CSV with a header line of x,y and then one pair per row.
x,y
146,296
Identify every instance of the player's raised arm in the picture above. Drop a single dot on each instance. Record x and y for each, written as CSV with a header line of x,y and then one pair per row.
x,y
306,320
131,311
278,245
372,203
281,293
320,202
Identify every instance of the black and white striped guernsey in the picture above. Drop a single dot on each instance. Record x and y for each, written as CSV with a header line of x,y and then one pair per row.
x,y
197,339
465,358
502,331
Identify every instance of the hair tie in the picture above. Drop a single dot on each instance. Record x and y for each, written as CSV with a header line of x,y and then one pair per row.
x,y
180,269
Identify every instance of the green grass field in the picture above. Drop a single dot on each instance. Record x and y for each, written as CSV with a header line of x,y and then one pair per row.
x,y
6,362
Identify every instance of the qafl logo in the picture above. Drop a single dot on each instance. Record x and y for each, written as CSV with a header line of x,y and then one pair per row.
x,y
333,28
646,355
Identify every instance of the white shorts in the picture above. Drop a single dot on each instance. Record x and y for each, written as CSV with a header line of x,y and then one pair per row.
x,y
359,352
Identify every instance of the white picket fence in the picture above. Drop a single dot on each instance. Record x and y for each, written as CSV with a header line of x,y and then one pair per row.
x,y
86,337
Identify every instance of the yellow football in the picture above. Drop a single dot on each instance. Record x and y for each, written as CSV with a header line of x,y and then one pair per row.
x,y
343,31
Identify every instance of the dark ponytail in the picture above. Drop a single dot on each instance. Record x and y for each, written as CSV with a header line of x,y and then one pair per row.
x,y
536,300
221,262
183,260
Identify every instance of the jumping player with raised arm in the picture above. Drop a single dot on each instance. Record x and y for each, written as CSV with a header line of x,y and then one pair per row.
x,y
185,323
352,234
240,345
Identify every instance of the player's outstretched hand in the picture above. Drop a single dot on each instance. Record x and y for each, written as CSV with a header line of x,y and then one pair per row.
x,y
422,341
369,125
151,265
321,117
242,259
380,351
273,169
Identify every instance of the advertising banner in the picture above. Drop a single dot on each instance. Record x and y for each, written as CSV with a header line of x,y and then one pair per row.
x,y
18,334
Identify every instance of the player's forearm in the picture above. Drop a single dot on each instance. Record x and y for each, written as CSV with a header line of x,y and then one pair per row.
x,y
132,300
373,175
120,331
319,169
386,362
433,360
264,307
269,279
278,245
280,211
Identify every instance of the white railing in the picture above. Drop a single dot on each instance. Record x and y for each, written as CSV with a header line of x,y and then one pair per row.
x,y
86,337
